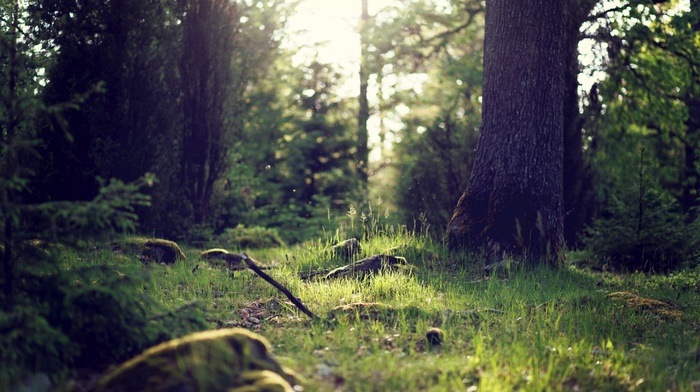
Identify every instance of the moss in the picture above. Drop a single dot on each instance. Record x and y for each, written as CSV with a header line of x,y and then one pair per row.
x,y
150,249
216,253
162,251
226,359
634,301
262,381
222,258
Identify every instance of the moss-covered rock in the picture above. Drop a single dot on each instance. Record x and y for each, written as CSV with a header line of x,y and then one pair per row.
x,y
222,360
225,258
214,254
368,266
162,251
635,301
149,249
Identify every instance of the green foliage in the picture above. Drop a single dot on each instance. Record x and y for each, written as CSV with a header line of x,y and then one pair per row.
x,y
241,237
84,317
648,101
439,49
56,315
30,343
295,164
177,75
649,98
200,236
657,240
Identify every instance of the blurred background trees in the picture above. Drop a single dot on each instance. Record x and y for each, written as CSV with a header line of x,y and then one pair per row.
x,y
241,126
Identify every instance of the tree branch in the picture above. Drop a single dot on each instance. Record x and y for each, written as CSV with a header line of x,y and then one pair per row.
x,y
251,264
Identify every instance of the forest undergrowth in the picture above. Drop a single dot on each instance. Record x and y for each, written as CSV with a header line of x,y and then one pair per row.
x,y
534,328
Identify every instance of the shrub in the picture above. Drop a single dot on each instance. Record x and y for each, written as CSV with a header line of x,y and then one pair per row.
x,y
647,234
249,237
86,318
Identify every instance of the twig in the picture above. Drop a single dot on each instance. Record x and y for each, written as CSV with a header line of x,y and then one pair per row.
x,y
251,264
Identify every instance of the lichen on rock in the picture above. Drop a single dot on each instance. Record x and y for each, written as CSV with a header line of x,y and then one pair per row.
x,y
222,360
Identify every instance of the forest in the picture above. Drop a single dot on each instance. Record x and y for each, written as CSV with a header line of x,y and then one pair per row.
x,y
537,161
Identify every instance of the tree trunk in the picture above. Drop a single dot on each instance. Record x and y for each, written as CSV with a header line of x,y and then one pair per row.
x,y
206,73
513,204
363,112
578,182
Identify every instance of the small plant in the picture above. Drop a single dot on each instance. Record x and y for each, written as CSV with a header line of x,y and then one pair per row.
x,y
644,230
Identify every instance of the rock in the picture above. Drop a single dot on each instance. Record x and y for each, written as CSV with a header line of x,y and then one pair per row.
x,y
233,260
213,254
162,251
637,302
221,360
435,337
368,266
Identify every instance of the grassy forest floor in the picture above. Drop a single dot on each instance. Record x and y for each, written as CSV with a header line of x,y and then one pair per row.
x,y
529,329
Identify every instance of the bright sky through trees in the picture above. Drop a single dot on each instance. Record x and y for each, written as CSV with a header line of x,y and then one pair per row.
x,y
327,31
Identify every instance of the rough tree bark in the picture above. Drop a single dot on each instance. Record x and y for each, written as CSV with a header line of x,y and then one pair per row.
x,y
514,201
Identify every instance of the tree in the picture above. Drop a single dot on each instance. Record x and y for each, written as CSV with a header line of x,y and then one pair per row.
x,y
514,200
207,79
578,178
133,126
441,117
363,113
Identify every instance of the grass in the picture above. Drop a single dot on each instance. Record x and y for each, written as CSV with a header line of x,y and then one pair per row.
x,y
528,329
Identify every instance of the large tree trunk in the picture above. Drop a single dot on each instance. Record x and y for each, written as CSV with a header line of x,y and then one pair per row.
x,y
514,200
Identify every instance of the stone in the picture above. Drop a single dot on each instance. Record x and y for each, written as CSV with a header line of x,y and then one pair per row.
x,y
233,261
162,251
221,360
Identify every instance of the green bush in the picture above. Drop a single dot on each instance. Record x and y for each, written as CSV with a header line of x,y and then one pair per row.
x,y
200,236
29,343
85,318
648,234
248,237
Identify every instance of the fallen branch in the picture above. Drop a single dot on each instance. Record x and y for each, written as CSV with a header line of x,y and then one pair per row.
x,y
370,265
251,264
